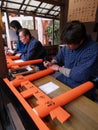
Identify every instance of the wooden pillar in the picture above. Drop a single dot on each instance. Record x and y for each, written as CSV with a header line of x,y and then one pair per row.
x,y
34,22
96,21
45,22
3,65
53,32
63,15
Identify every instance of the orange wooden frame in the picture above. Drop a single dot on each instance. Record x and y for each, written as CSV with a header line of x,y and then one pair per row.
x,y
12,57
25,63
46,105
12,64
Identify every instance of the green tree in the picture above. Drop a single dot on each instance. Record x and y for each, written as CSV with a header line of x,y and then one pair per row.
x,y
49,30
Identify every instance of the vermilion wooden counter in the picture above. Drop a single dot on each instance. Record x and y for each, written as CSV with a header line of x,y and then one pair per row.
x,y
84,112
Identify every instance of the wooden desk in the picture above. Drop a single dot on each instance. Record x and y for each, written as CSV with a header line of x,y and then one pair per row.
x,y
84,112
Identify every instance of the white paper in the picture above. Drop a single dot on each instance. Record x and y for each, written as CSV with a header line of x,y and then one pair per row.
x,y
11,51
29,68
17,61
49,87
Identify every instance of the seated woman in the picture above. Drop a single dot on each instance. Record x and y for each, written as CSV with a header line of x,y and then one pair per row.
x,y
15,26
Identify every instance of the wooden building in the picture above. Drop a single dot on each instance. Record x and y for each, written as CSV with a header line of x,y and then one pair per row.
x,y
64,11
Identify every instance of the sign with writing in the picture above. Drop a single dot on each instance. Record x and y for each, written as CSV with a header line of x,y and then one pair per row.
x,y
83,10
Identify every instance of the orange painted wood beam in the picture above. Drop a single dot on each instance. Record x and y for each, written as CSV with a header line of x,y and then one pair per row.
x,y
38,121
63,99
12,57
17,81
24,63
45,105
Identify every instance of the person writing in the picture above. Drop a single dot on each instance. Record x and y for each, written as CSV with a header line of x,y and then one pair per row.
x,y
77,61
33,47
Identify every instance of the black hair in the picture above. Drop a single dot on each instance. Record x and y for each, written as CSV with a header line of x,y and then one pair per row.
x,y
16,25
25,32
74,32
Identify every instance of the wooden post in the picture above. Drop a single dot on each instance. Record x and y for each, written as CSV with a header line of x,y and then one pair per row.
x,y
34,23
3,65
96,20
63,16
53,32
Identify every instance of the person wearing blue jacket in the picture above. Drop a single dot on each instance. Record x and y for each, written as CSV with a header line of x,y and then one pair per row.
x,y
33,47
77,61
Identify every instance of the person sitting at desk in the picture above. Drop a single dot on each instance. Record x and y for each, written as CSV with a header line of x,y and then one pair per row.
x,y
15,26
77,61
33,48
